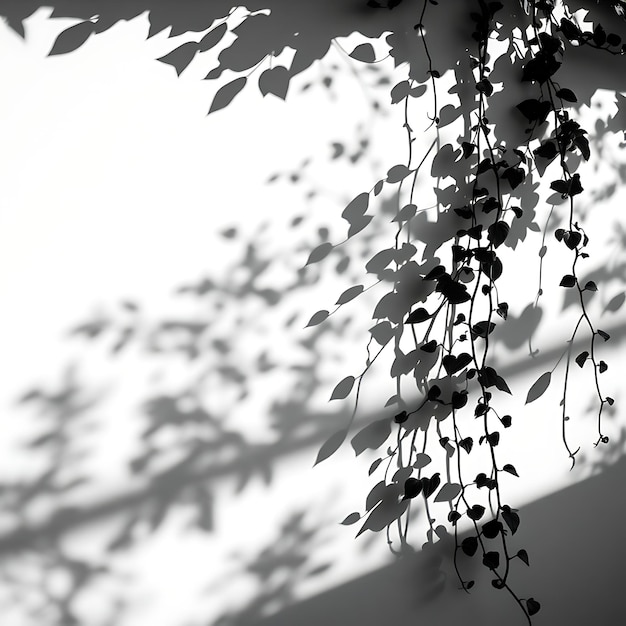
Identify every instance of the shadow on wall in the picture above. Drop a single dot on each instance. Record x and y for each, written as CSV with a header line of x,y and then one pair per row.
x,y
576,555
208,448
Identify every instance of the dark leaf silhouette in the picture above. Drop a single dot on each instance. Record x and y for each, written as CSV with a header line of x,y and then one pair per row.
x,y
181,57
469,545
533,606
275,81
510,469
511,518
491,559
73,38
227,93
212,38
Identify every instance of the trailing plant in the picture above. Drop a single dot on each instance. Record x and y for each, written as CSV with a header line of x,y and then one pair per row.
x,y
439,314
445,276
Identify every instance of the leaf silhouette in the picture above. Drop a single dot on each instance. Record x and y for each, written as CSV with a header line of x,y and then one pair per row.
x,y
350,294
397,173
343,388
72,38
181,57
225,94
319,253
212,38
275,80
318,318
353,518
539,387
448,492
364,52
372,436
331,445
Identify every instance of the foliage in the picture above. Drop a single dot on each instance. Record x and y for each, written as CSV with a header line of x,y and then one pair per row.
x,y
444,277
438,315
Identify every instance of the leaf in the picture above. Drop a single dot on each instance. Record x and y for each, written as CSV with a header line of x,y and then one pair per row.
x,y
569,280
523,556
511,518
453,364
400,91
469,545
343,388
359,224
212,38
372,436
483,329
498,232
405,213
492,529
356,207
491,559
581,358
448,492
515,176
380,261
72,38
418,316
476,512
421,460
412,488
331,445
533,606
318,318
590,286
467,444
430,484
364,53
374,466
319,253
275,80
502,386
566,94
468,149
353,518
350,294
547,150
397,173
539,387
225,94
181,57
510,469
615,303
603,334
382,332
388,510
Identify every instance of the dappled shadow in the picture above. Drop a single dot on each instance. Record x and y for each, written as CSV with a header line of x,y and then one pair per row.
x,y
188,439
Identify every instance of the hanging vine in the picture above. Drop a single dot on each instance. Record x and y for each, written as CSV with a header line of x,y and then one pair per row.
x,y
439,315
